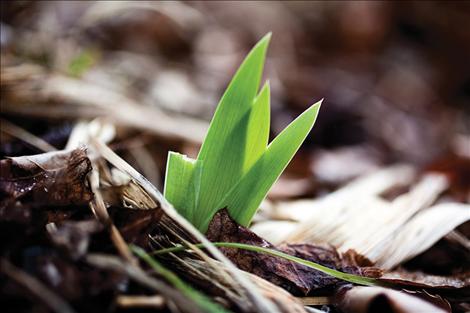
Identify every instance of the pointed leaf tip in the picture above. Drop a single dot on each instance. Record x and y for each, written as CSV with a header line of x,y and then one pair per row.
x,y
223,150
263,44
245,197
267,37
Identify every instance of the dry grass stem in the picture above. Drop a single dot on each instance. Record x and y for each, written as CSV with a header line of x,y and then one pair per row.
x,y
24,135
124,301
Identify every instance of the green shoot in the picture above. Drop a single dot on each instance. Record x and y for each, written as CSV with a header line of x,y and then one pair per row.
x,y
235,167
183,183
258,129
82,62
355,279
204,302
245,197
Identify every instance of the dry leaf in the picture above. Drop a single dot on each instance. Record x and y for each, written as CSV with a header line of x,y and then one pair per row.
x,y
53,179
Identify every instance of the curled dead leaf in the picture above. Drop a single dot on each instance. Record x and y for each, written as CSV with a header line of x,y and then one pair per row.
x,y
53,179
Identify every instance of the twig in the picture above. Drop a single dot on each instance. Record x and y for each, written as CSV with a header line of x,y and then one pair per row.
x,y
89,100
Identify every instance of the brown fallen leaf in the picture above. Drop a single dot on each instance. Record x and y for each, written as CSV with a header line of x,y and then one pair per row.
x,y
132,302
52,179
297,279
422,280
455,288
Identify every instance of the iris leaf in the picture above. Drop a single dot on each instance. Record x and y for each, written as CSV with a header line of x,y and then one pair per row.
x,y
182,183
245,197
235,167
258,128
223,149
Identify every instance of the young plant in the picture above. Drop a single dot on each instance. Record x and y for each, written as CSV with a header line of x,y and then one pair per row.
x,y
236,167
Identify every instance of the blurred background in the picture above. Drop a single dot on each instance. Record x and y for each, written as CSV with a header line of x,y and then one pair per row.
x,y
395,77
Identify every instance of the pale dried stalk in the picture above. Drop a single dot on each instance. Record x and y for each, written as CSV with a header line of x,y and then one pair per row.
x,y
84,130
156,302
286,302
398,212
356,217
33,95
361,187
423,231
184,15
145,161
457,236
24,135
99,209
81,135
332,210
219,283
315,300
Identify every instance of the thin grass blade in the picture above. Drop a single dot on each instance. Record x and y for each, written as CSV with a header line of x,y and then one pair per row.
x,y
352,278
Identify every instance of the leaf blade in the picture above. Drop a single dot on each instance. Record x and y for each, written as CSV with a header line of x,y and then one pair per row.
x,y
182,183
258,128
245,197
223,149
